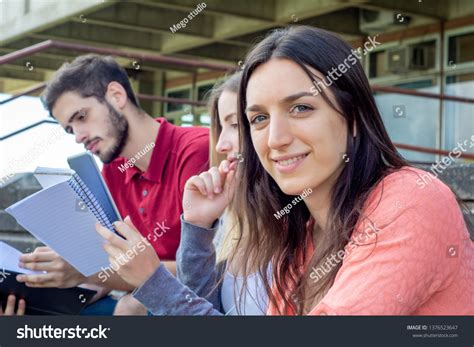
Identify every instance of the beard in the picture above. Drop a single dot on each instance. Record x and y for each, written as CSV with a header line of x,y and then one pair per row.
x,y
118,130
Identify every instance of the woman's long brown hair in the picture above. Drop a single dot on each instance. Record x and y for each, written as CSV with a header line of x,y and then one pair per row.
x,y
283,243
231,84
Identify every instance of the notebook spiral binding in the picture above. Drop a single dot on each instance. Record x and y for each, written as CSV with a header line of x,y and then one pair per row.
x,y
89,199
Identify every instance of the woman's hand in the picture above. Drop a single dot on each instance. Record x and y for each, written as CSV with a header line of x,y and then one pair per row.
x,y
206,196
134,256
10,308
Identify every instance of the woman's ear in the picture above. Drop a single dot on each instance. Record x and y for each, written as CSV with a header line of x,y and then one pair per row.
x,y
354,129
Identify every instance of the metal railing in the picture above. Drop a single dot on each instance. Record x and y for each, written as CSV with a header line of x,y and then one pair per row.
x,y
42,46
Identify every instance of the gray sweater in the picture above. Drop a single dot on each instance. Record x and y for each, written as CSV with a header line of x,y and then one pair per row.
x,y
164,294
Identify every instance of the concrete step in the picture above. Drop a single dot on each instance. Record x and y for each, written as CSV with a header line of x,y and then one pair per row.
x,y
18,188
9,224
23,242
459,177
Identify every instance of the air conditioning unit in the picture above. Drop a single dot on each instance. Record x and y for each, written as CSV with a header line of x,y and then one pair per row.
x,y
379,21
409,58
397,60
375,21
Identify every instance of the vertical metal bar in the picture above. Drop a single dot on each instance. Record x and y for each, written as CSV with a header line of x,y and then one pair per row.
x,y
441,90
194,98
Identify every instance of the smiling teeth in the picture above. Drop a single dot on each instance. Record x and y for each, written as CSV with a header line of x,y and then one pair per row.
x,y
291,160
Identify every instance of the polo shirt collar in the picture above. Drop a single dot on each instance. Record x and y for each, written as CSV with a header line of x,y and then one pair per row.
x,y
159,155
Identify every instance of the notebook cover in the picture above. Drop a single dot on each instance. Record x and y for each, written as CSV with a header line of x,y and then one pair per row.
x,y
45,301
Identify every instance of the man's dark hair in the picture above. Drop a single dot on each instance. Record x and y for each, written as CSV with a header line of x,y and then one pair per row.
x,y
88,75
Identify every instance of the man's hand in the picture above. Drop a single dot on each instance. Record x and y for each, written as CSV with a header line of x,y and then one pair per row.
x,y
10,308
134,255
59,273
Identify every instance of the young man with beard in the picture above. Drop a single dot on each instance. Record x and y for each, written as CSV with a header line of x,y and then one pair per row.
x,y
92,99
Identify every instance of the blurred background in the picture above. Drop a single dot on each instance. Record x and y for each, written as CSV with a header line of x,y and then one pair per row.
x,y
422,73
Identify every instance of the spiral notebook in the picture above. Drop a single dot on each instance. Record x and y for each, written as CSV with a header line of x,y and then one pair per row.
x,y
63,217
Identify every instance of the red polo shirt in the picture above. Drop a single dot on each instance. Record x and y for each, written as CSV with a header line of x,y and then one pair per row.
x,y
153,199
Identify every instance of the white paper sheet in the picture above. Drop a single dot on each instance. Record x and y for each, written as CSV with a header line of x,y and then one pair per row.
x,y
9,259
59,219
48,177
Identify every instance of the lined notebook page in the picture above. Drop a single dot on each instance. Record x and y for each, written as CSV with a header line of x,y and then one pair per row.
x,y
90,200
58,218
9,259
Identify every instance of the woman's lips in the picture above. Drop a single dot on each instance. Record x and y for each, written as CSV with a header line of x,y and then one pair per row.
x,y
232,162
288,164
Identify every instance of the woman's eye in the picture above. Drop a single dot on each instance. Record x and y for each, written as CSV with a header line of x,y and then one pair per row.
x,y
300,108
258,119
234,126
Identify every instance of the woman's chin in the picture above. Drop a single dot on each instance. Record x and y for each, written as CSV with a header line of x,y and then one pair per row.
x,y
293,189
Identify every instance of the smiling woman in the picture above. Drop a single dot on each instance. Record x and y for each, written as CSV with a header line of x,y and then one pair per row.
x,y
336,144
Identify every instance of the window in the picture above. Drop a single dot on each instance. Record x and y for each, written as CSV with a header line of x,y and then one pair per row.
x,y
422,55
378,64
203,92
461,48
411,119
403,59
179,94
205,119
187,120
458,117
416,84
